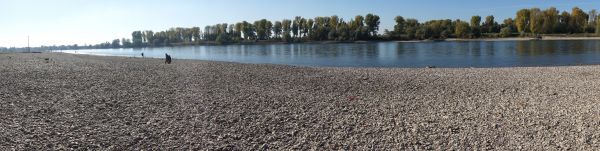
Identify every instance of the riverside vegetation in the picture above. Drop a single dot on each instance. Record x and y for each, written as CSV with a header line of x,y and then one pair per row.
x,y
531,22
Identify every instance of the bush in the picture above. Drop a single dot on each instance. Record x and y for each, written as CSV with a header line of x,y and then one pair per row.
x,y
505,32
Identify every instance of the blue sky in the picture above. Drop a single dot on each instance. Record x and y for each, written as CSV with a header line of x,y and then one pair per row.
x,y
50,22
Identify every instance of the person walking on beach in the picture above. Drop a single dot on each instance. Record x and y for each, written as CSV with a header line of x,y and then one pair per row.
x,y
167,59
142,55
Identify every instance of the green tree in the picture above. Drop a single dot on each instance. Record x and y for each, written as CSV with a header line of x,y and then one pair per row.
x,y
277,29
331,27
268,27
116,43
249,31
536,20
359,28
238,30
505,32
578,20
196,33
296,26
259,26
147,36
593,15
489,25
411,27
372,22
343,31
310,27
598,26
510,23
550,20
475,21
475,26
304,28
137,39
563,23
286,26
462,29
522,21
126,43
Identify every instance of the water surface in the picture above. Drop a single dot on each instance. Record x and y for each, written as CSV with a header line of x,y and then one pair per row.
x,y
386,54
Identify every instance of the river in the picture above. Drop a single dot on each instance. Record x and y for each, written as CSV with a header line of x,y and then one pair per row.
x,y
385,54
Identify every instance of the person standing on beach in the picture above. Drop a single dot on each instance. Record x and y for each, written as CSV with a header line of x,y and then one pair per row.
x,y
167,59
142,55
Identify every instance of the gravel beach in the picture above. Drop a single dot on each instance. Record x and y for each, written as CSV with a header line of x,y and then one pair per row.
x,y
57,101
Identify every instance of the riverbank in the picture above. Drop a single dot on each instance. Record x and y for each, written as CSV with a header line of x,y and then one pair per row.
x,y
54,101
493,39
526,38
275,42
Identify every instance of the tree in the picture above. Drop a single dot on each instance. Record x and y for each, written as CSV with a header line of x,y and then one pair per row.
x,y
295,26
238,29
509,22
489,25
137,39
598,26
277,29
372,22
550,20
563,23
522,21
536,20
475,26
248,30
578,20
310,27
126,43
411,27
116,43
268,27
591,26
304,27
147,36
505,32
343,31
331,27
399,27
261,29
475,21
593,15
286,23
196,33
358,26
462,29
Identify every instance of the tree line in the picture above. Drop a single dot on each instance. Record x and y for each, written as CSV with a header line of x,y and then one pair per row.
x,y
531,22
297,30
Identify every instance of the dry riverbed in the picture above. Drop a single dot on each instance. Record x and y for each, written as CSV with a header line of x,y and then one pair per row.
x,y
52,101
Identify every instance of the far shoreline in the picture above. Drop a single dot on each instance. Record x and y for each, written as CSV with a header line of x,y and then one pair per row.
x,y
270,42
391,40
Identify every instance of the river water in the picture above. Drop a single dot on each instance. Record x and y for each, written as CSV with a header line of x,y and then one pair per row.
x,y
385,54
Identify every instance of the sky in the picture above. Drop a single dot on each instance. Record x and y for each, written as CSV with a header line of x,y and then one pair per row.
x,y
67,22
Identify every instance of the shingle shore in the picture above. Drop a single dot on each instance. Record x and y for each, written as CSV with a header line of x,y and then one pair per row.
x,y
65,101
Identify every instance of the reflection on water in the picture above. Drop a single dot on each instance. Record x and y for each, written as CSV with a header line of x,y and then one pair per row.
x,y
387,54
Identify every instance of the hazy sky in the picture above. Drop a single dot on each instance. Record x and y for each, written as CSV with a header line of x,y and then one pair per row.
x,y
58,22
